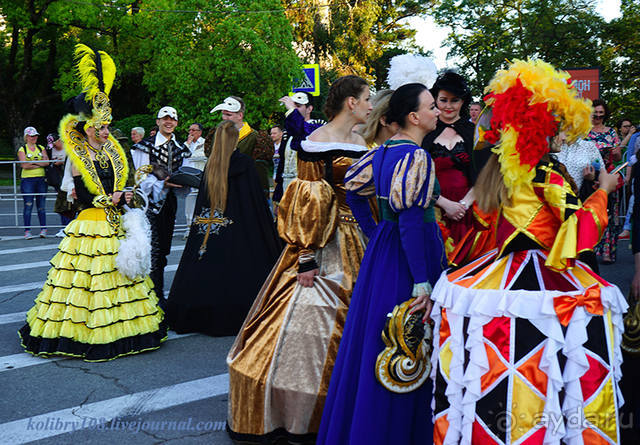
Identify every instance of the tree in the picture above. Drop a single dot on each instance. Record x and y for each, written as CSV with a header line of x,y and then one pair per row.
x,y
189,53
354,36
485,34
621,70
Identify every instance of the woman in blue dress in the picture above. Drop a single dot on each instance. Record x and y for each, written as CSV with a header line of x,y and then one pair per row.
x,y
370,401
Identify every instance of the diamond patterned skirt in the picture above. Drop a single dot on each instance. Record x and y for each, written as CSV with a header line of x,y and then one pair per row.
x,y
526,355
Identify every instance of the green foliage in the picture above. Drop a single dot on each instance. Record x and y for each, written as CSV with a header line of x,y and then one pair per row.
x,y
621,68
191,61
355,36
565,33
197,60
125,125
487,33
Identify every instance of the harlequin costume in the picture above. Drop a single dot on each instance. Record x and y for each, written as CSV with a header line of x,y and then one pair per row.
x,y
90,307
281,361
527,338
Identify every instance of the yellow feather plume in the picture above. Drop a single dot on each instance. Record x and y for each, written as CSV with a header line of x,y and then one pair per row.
x,y
548,86
88,72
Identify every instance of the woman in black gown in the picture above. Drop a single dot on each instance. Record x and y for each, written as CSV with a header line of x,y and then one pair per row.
x,y
232,245
450,146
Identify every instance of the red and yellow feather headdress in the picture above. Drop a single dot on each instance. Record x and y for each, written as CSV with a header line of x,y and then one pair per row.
x,y
530,103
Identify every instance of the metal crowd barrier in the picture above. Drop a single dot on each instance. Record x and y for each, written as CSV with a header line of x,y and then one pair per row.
x,y
50,196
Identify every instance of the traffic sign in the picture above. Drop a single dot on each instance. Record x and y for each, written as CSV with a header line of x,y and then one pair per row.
x,y
309,80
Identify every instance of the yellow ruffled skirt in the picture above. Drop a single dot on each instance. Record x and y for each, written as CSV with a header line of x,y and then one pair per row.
x,y
87,308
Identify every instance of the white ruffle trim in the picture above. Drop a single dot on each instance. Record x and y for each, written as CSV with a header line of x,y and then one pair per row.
x,y
322,147
134,256
480,306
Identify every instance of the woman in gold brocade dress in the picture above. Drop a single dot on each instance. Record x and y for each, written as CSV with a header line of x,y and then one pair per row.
x,y
281,361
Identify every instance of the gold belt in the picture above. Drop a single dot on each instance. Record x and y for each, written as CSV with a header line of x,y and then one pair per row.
x,y
348,219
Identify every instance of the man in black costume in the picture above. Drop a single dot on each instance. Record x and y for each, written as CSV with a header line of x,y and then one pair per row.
x,y
165,154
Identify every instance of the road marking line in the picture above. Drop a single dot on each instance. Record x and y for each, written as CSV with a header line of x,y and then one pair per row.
x,y
28,249
24,359
89,416
175,248
21,287
12,318
20,266
39,284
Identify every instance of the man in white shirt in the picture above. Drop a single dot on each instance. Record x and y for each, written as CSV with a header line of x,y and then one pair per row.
x,y
195,144
165,154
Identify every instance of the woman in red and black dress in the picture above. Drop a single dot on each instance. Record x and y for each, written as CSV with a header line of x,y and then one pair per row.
x,y
450,145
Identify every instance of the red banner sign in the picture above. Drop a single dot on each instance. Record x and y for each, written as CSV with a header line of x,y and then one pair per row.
x,y
586,81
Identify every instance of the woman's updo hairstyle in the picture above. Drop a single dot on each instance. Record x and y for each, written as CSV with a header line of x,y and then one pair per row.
x,y
455,84
403,101
341,89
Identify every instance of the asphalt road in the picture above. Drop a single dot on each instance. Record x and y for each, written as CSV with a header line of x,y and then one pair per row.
x,y
177,394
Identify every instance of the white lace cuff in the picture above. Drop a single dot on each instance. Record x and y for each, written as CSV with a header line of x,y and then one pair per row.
x,y
421,288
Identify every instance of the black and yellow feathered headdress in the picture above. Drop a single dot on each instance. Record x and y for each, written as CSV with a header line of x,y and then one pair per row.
x,y
97,73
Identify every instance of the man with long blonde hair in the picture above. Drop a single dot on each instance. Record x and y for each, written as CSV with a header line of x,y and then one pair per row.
x,y
232,244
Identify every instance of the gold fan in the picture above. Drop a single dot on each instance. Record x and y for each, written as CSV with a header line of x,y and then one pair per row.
x,y
404,364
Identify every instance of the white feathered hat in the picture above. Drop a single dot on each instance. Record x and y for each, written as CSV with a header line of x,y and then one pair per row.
x,y
411,68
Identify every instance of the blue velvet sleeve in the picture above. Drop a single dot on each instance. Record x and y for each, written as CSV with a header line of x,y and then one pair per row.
x,y
361,210
294,124
412,186
412,236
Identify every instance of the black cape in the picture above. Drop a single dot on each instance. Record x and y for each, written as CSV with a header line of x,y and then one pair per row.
x,y
213,294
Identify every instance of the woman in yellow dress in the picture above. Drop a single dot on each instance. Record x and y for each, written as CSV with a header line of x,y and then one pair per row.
x,y
94,304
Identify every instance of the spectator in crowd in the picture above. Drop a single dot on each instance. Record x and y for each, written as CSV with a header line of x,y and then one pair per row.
x,y
631,158
277,134
608,144
62,206
580,160
278,139
195,144
165,153
153,131
474,111
625,131
32,159
55,151
137,134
